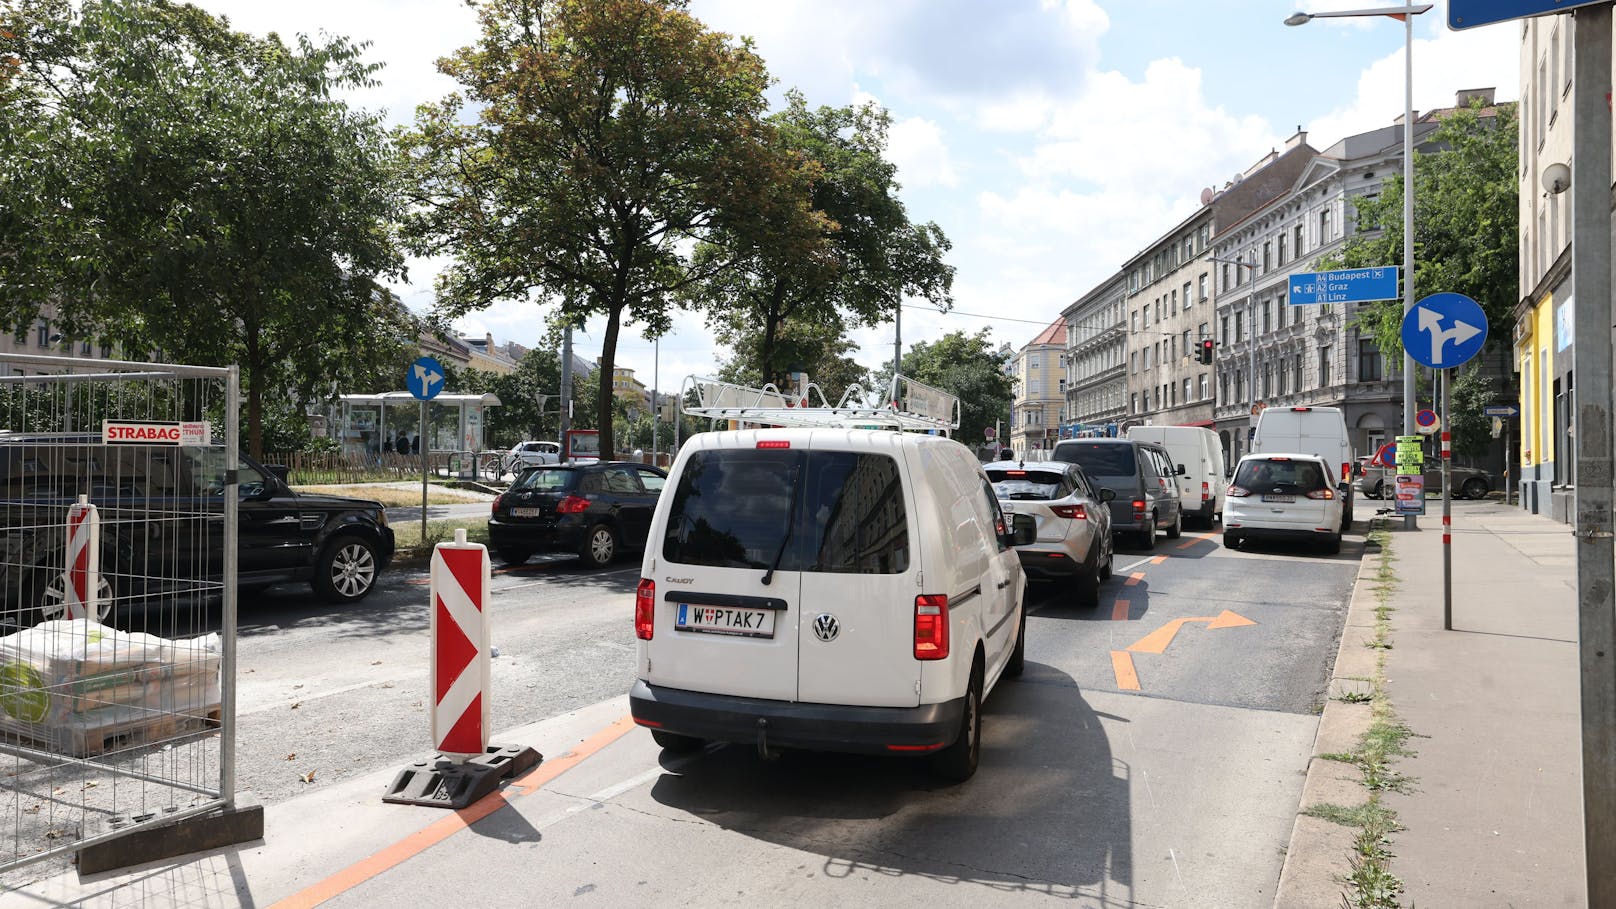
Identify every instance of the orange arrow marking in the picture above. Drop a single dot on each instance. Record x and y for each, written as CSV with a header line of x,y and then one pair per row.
x,y
1157,641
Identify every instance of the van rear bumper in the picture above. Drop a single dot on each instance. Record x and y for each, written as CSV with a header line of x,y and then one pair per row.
x,y
786,724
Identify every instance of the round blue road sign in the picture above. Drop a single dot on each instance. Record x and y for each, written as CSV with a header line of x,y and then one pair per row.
x,y
1444,330
424,378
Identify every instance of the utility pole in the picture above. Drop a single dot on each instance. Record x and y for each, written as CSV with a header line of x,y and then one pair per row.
x,y
565,418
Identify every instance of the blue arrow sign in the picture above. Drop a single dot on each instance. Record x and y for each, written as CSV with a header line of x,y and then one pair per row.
x,y
1500,410
1444,330
424,378
1349,285
1471,13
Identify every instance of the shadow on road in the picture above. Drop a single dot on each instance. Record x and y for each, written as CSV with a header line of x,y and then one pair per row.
x,y
1011,828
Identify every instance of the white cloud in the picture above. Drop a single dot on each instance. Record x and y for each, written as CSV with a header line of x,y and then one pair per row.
x,y
916,146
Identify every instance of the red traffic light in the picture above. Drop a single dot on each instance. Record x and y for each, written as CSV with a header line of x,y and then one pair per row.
x,y
1204,355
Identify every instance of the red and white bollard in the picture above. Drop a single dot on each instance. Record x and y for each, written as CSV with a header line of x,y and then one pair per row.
x,y
81,599
460,693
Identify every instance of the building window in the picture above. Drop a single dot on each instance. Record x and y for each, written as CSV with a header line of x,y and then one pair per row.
x,y
1367,221
1133,403
1324,367
1187,397
1266,306
1145,400
1296,240
1223,389
1201,384
1267,256
1187,296
1239,325
1282,250
1223,329
1267,380
1296,374
1279,314
43,338
1368,360
1225,284
1202,288
1239,270
1325,235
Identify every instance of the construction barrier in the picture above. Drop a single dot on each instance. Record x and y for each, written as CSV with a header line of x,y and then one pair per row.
x,y
82,598
459,584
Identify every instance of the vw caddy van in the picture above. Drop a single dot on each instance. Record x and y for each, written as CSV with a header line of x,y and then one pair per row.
x,y
830,589
1197,450
1320,431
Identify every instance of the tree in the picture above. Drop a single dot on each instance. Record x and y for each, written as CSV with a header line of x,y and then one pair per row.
x,y
849,263
817,348
520,416
966,366
176,186
604,137
1466,225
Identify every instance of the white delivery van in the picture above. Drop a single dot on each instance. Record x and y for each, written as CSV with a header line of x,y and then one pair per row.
x,y
1197,449
1318,431
832,589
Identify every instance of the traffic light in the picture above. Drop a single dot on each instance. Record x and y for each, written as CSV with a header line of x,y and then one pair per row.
x,y
1204,353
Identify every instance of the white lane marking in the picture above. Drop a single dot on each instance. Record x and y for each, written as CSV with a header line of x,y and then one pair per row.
x,y
1127,568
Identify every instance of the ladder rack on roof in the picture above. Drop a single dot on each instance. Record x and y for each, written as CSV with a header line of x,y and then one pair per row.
x,y
908,405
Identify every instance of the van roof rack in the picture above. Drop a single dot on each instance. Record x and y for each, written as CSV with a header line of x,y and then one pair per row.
x,y
908,406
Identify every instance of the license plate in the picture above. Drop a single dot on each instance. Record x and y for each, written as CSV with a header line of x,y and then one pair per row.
x,y
526,512
1273,498
751,623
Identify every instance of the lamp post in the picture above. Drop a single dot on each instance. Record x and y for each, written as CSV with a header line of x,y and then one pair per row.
x,y
1406,14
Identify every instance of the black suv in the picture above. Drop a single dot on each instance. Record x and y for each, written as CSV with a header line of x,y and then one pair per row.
x,y
593,509
162,525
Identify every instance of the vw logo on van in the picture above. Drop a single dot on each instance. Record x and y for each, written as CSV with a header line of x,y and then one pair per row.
x,y
826,627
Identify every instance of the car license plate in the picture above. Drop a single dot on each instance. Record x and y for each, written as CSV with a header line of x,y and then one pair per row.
x,y
1273,498
752,623
526,512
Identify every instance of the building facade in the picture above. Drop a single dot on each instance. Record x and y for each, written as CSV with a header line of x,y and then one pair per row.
x,y
1169,310
1096,360
1040,396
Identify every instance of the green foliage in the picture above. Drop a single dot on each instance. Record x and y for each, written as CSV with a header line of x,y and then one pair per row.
x,y
1466,224
180,187
820,349
519,417
1472,431
594,141
966,366
848,262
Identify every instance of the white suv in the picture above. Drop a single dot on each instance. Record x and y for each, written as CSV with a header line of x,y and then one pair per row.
x,y
1283,496
829,589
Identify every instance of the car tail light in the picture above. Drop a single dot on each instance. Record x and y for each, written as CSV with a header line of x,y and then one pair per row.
x,y
1206,490
498,499
774,443
931,626
572,505
1326,493
1237,492
1138,509
645,609
1070,511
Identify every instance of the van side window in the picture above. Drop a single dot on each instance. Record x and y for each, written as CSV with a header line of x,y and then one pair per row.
x,y
999,526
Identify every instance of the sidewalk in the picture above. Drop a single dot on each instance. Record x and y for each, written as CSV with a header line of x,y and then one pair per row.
x,y
1493,813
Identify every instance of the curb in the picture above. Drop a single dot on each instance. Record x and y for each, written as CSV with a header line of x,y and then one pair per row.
x,y
1317,860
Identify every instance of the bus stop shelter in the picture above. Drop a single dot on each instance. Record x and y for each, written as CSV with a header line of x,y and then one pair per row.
x,y
373,424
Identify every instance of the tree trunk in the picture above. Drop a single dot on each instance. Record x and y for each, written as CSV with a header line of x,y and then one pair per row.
x,y
608,359
771,326
253,373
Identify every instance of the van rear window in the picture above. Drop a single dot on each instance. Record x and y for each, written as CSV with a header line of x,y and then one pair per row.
x,y
845,512
1098,459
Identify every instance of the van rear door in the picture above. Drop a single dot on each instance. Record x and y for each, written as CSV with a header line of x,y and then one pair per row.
x,y
728,578
861,561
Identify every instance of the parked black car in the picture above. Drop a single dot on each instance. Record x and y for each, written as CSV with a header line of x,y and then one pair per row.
x,y
162,525
593,509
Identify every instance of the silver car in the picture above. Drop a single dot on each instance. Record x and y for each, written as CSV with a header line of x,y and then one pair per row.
x,y
1073,545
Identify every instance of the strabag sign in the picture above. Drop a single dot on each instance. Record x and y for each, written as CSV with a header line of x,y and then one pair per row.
x,y
118,432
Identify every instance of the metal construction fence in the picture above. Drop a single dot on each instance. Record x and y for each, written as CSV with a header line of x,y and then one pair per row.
x,y
117,600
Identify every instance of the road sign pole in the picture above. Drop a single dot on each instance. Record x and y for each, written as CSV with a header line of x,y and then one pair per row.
x,y
1591,279
422,443
1445,377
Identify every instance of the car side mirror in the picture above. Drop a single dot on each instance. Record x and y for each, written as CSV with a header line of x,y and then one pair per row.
x,y
1023,530
1107,495
279,472
1181,470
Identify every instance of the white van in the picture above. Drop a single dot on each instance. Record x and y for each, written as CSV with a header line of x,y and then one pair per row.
x,y
1318,431
830,589
1202,484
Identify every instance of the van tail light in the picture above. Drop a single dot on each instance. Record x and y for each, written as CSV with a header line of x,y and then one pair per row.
x,y
1346,472
1326,493
645,609
1237,492
1206,490
1138,509
572,505
498,499
1070,511
931,626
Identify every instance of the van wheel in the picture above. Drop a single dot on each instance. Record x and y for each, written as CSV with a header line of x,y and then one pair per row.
x,y
600,546
1231,540
957,763
1018,656
346,571
1147,537
1177,530
1332,546
673,741
1088,588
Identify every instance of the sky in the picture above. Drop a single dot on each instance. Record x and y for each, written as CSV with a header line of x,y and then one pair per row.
x,y
1051,140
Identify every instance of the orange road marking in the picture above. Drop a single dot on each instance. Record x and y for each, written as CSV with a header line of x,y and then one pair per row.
x,y
1122,666
1158,560
1119,610
445,827
1158,640
1134,579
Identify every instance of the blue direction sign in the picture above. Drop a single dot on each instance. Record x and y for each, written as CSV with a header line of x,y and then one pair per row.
x,y
1349,285
1444,330
1500,410
1471,13
424,378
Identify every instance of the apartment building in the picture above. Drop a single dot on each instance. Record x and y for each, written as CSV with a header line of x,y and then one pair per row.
x,y
1096,360
1544,324
1039,368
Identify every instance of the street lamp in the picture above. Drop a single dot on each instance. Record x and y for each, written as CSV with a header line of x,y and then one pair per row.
x,y
1407,14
